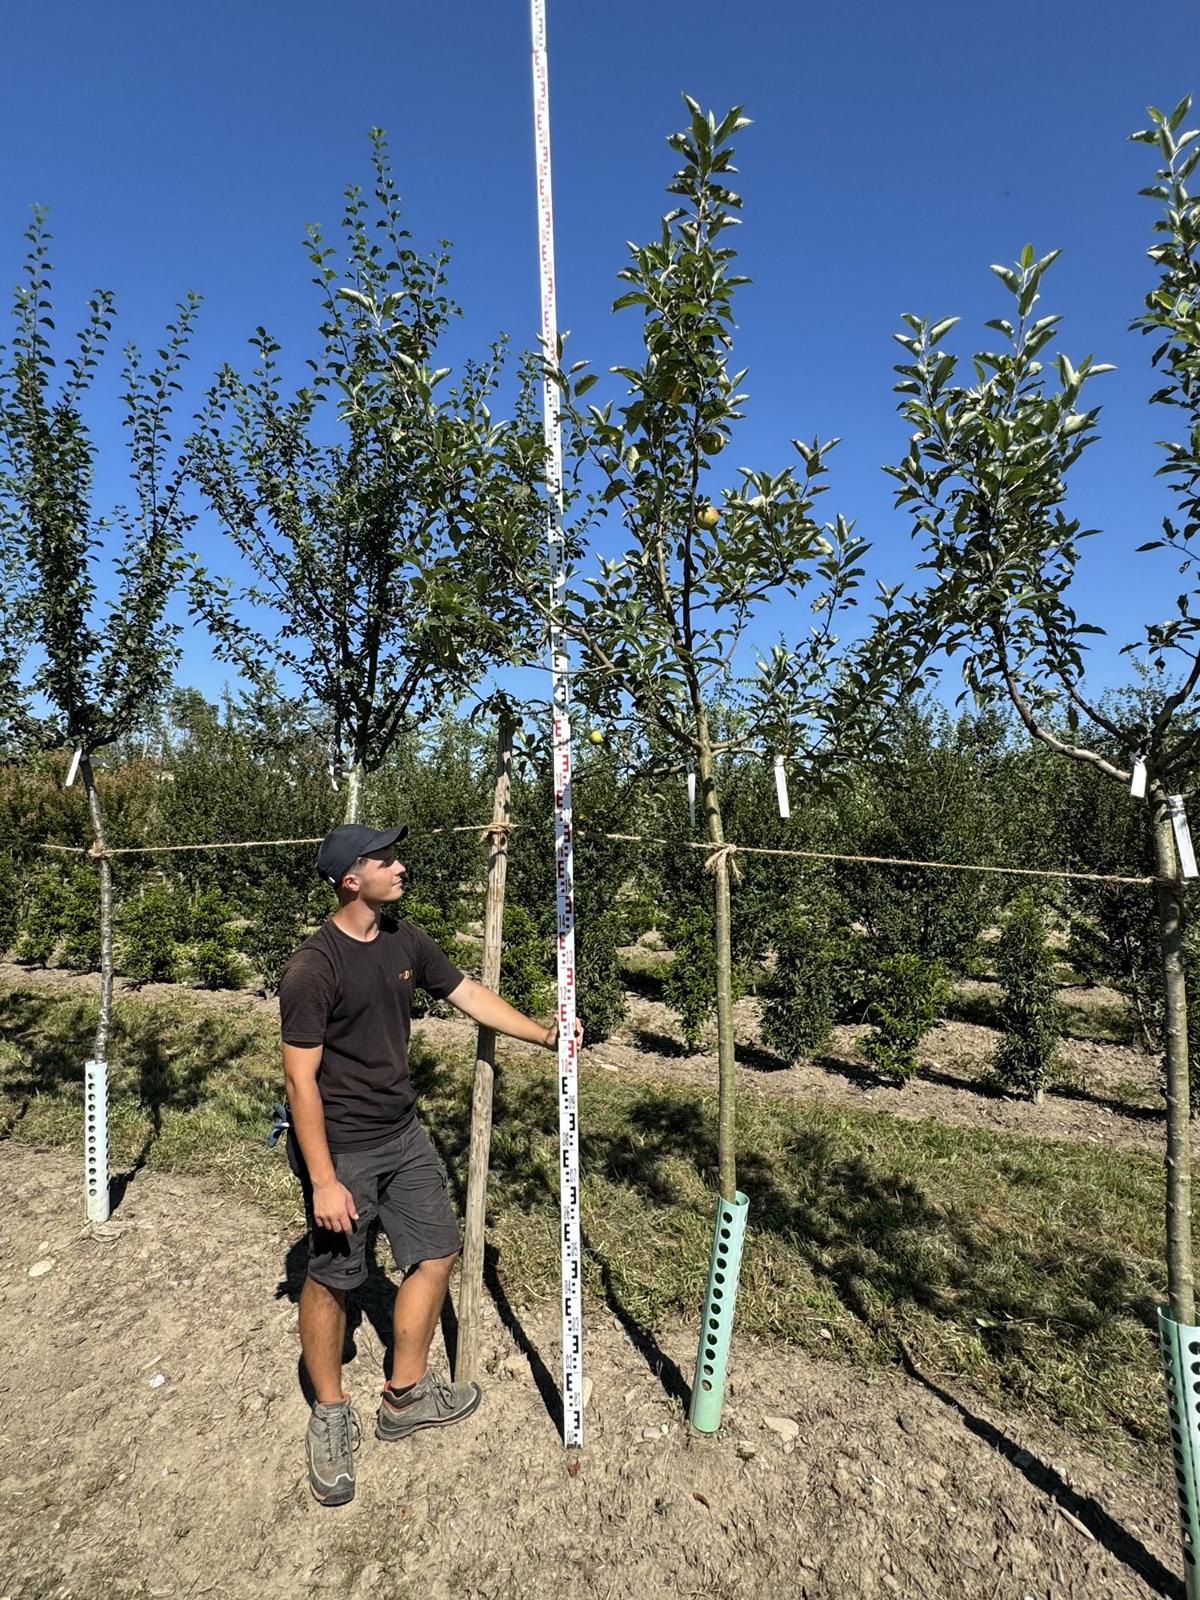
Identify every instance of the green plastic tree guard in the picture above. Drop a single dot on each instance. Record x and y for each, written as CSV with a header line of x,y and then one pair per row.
x,y
716,1329
1181,1366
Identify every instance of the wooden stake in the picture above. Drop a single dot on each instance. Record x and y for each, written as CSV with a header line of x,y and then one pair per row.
x,y
1180,1275
466,1364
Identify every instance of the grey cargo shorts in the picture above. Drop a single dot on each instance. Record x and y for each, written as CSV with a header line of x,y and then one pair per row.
x,y
403,1183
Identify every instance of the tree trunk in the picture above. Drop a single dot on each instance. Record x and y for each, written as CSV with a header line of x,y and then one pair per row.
x,y
726,1151
354,793
466,1364
104,1022
1180,1283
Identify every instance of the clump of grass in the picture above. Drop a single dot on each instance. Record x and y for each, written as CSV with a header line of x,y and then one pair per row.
x,y
1107,1024
1138,1094
1030,1268
644,969
1113,1023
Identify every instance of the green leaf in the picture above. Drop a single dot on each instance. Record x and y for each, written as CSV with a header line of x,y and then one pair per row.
x,y
940,329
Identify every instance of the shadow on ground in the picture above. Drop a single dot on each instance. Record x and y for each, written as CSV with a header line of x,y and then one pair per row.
x,y
1116,1539
165,1067
874,1236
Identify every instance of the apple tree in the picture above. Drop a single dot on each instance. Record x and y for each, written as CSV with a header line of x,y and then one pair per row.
x,y
985,480
89,649
662,628
384,516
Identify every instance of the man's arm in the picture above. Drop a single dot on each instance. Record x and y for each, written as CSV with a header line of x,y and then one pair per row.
x,y
333,1204
490,1011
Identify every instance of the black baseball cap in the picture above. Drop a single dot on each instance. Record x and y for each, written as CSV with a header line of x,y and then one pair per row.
x,y
342,848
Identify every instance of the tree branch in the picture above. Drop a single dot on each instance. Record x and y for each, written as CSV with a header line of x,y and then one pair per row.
x,y
1038,731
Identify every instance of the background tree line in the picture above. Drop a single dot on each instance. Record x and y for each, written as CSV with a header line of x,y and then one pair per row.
x,y
820,942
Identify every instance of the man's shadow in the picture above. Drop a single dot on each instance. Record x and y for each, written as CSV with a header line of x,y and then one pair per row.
x,y
373,1301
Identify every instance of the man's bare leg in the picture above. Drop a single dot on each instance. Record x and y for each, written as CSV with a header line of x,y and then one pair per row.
x,y
322,1336
333,1430
414,1397
418,1306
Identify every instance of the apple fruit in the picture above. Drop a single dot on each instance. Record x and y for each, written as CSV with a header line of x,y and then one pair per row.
x,y
707,517
595,736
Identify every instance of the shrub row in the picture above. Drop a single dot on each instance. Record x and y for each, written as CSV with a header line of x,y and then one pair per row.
x,y
823,944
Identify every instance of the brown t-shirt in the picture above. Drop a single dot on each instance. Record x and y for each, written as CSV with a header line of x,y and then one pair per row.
x,y
355,999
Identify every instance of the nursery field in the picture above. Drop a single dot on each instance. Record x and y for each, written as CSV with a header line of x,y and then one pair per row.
x,y
944,1352
914,979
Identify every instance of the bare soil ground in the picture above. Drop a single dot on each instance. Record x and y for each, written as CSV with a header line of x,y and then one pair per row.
x,y
151,1421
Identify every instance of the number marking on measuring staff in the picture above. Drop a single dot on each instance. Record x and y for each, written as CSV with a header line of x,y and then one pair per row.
x,y
564,856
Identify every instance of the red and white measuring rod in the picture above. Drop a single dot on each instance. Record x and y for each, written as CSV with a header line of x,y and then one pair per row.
x,y
564,847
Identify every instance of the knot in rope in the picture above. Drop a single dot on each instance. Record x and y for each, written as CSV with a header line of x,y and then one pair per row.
x,y
723,855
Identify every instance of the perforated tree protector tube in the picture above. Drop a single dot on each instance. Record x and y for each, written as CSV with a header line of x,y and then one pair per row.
x,y
95,1140
716,1328
1181,1368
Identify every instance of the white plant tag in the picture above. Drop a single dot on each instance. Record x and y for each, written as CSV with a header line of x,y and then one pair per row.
x,y
73,769
1183,837
781,788
692,796
1137,783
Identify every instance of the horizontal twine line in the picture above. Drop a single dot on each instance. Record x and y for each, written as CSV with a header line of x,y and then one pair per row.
x,y
715,853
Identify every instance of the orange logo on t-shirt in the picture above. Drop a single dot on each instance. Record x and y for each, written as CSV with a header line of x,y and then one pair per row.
x,y
406,975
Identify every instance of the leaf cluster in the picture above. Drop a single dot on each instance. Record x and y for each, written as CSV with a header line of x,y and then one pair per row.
x,y
660,624
76,668
390,521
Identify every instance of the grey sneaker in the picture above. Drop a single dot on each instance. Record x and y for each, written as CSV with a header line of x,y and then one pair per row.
x,y
431,1403
333,1437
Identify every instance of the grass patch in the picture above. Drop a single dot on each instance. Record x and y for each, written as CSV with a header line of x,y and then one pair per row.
x,y
1102,1024
1110,1024
1030,1268
1139,1094
643,970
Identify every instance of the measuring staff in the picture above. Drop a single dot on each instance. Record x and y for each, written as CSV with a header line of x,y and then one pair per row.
x,y
564,844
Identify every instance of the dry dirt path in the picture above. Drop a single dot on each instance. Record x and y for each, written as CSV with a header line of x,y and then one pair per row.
x,y
151,1424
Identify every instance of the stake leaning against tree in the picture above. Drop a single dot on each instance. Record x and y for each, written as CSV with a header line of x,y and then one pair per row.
x,y
564,855
466,1357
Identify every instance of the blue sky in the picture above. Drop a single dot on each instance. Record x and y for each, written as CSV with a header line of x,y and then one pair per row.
x,y
895,152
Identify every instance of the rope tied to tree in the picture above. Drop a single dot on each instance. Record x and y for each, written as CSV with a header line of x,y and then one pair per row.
x,y
489,830
724,855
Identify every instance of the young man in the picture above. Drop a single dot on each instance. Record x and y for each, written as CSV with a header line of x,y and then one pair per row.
x,y
358,1149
